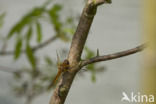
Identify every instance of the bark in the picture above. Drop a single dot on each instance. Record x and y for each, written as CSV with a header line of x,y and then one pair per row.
x,y
77,45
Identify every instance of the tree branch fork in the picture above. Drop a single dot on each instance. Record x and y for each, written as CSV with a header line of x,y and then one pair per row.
x,y
74,57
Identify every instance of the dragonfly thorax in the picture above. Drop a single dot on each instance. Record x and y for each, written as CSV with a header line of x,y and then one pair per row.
x,y
64,66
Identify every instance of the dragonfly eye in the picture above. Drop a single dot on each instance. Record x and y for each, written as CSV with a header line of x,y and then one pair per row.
x,y
66,62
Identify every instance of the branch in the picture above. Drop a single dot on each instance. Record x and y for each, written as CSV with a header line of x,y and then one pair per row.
x,y
113,56
35,48
7,69
81,33
50,40
74,56
83,28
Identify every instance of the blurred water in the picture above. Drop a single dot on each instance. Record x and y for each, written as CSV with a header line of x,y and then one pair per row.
x,y
116,27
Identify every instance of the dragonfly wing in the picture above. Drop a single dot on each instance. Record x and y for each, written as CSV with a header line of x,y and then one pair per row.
x,y
58,59
54,80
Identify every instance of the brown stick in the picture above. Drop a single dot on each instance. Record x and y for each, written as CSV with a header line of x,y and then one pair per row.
x,y
35,48
77,45
112,56
81,33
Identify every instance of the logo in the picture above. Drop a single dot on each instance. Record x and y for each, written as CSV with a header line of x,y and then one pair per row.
x,y
138,98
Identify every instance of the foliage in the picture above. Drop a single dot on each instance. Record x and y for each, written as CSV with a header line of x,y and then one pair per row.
x,y
33,81
2,15
109,1
33,18
93,68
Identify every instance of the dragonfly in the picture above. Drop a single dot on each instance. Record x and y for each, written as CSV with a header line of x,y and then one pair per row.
x,y
62,67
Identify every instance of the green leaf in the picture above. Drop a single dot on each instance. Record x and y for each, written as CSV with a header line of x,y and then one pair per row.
x,y
17,28
69,30
109,1
13,31
48,60
30,56
57,7
90,67
63,37
37,12
39,32
2,19
18,48
29,34
69,20
53,13
27,19
93,77
89,53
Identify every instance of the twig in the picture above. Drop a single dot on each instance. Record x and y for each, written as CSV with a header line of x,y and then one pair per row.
x,y
35,48
112,56
50,40
7,69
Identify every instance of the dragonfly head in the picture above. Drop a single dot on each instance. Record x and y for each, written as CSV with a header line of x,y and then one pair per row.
x,y
66,62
